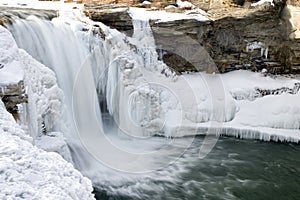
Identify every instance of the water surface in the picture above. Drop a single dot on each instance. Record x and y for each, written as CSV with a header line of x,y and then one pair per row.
x,y
235,169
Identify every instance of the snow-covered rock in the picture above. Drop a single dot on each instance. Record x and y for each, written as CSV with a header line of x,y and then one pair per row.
x,y
163,16
260,2
146,3
185,4
245,84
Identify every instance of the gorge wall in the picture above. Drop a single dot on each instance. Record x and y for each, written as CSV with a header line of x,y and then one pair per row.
x,y
236,37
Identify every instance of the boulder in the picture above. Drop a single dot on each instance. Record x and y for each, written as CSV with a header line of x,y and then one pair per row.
x,y
113,15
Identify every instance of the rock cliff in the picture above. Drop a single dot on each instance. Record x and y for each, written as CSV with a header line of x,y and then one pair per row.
x,y
235,37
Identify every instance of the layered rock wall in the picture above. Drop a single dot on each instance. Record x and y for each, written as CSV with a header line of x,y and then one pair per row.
x,y
245,37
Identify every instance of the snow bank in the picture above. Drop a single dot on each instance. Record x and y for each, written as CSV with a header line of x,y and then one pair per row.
x,y
28,172
280,111
271,117
244,84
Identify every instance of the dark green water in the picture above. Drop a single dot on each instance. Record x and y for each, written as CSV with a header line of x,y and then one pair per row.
x,y
234,169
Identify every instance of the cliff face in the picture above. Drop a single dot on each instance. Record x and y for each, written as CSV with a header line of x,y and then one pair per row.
x,y
236,37
113,15
266,38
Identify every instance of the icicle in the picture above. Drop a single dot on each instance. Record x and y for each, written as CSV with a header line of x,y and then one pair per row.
x,y
266,53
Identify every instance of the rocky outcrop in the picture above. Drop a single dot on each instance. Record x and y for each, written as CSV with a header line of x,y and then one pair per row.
x,y
12,95
245,37
113,15
253,39
179,47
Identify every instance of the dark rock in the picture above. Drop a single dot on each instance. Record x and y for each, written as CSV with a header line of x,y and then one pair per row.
x,y
113,15
12,95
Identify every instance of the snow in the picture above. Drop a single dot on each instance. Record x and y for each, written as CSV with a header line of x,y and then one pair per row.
x,y
185,4
272,117
142,95
8,49
8,124
260,2
11,73
28,172
54,142
146,3
36,4
170,7
243,84
282,111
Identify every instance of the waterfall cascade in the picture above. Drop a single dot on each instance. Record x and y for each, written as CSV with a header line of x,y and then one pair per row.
x,y
85,64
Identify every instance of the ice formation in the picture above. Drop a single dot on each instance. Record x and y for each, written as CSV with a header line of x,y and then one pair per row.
x,y
264,50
